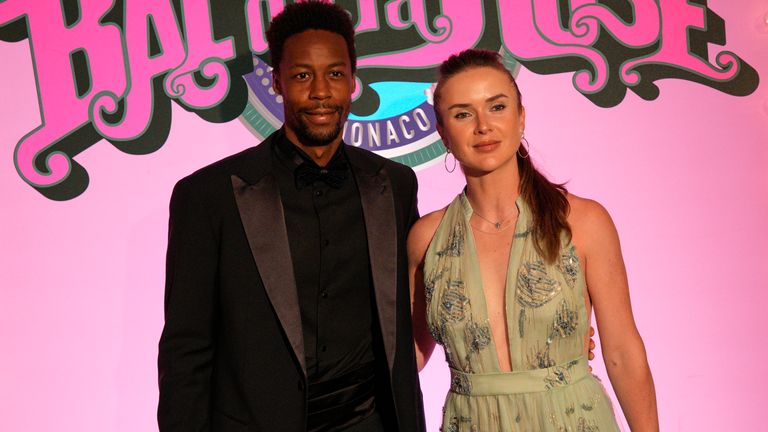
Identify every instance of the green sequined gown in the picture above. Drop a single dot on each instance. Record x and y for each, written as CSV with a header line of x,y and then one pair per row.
x,y
550,388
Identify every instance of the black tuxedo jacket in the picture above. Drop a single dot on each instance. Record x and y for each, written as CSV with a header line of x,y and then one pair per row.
x,y
231,355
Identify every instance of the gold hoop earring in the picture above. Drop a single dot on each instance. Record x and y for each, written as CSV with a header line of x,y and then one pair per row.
x,y
445,161
526,147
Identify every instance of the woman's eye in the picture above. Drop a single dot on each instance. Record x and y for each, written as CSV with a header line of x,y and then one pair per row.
x,y
301,75
461,115
337,74
498,107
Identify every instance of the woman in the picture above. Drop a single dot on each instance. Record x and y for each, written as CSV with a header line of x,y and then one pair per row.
x,y
506,276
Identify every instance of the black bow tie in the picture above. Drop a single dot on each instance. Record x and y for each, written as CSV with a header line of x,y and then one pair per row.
x,y
333,175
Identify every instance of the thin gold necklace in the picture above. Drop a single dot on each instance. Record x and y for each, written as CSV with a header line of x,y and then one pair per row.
x,y
497,224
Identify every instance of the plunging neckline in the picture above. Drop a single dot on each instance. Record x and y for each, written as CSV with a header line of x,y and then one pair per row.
x,y
513,266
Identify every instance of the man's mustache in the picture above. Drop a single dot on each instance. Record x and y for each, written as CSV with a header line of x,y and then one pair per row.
x,y
323,108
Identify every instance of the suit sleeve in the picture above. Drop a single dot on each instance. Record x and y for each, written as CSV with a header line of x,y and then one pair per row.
x,y
186,345
414,209
413,216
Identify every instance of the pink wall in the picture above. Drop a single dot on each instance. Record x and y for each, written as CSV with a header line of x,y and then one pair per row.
x,y
684,177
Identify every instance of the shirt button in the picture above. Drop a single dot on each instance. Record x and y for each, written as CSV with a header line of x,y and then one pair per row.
x,y
324,294
318,193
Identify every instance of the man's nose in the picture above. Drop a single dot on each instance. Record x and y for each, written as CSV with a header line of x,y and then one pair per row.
x,y
320,88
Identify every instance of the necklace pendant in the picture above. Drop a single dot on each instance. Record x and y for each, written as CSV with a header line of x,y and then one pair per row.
x,y
497,225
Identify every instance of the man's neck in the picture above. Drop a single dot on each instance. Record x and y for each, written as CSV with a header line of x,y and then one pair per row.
x,y
320,155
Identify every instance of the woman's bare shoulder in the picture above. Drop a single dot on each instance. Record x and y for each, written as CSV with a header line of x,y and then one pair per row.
x,y
591,225
585,212
422,232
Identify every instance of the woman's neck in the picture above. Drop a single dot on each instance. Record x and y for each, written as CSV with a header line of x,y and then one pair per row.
x,y
493,194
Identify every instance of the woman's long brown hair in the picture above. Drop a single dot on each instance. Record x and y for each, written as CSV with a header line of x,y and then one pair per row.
x,y
547,201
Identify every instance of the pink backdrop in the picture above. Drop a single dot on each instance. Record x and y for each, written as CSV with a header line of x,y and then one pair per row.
x,y
684,177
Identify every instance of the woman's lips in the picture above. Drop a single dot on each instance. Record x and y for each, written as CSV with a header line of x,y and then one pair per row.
x,y
486,146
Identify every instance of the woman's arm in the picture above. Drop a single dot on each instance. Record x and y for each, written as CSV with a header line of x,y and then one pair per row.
x,y
418,241
608,290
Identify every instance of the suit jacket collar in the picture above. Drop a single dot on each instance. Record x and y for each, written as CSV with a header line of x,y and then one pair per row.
x,y
381,229
261,212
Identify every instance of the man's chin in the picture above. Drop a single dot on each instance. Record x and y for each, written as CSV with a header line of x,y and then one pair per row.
x,y
318,138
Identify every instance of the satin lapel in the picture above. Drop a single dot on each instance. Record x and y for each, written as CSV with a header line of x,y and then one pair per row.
x,y
261,212
379,214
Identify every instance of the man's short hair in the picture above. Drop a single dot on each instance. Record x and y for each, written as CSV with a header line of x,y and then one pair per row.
x,y
310,15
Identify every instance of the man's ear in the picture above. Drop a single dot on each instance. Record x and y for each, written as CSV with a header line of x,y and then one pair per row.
x,y
276,82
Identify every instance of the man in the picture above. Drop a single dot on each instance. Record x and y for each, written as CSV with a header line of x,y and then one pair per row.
x,y
287,305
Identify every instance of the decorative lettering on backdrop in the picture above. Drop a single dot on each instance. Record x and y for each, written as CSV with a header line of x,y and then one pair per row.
x,y
109,69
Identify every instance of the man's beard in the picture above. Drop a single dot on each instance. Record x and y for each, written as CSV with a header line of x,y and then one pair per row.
x,y
315,137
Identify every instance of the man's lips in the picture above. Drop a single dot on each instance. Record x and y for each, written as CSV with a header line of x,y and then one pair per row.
x,y
320,115
320,111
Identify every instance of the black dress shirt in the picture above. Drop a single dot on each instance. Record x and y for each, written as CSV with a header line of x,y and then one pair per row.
x,y
329,250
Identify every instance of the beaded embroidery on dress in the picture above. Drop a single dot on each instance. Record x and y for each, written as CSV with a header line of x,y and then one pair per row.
x,y
550,387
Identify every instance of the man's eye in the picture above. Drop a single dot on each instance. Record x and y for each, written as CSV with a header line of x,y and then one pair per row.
x,y
498,107
337,74
461,115
301,75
